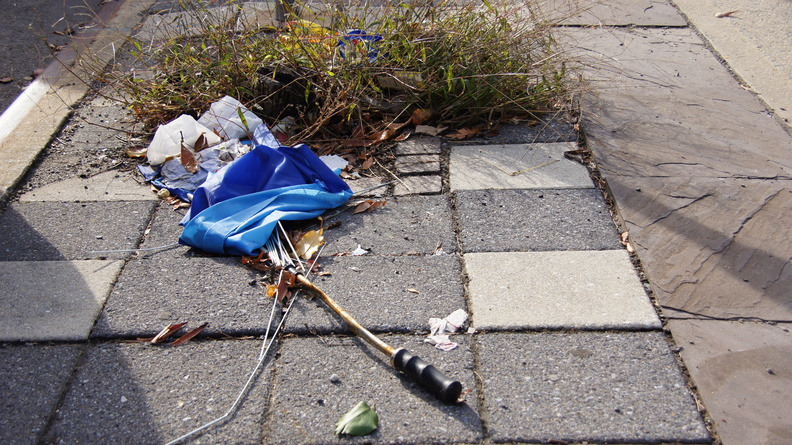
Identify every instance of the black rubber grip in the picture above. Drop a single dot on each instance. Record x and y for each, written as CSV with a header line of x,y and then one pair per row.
x,y
428,376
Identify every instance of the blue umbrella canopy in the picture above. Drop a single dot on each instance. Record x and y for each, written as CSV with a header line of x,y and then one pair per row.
x,y
235,211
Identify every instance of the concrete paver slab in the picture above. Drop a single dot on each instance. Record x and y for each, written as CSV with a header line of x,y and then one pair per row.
x,y
55,230
558,290
141,393
610,13
156,291
520,220
306,404
32,379
359,185
756,42
418,185
419,146
108,186
717,247
418,164
743,371
515,166
257,14
661,105
53,300
385,294
405,225
585,386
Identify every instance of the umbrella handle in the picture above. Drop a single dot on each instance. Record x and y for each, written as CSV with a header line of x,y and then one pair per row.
x,y
445,389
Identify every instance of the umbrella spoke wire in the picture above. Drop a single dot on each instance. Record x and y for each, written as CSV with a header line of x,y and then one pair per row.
x,y
275,247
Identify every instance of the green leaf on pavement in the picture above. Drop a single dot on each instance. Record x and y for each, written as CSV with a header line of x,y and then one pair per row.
x,y
359,421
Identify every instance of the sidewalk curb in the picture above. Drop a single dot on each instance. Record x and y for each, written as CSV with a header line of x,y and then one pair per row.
x,y
31,121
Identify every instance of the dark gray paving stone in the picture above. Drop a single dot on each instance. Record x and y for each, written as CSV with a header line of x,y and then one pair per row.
x,y
534,220
32,378
412,224
141,393
380,293
586,386
306,404
69,231
153,292
165,231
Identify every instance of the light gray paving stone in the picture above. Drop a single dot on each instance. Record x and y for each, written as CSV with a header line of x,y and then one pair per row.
x,y
384,294
56,231
108,186
618,12
165,230
557,290
585,386
418,185
143,393
418,164
258,14
155,291
359,185
306,404
545,129
53,300
419,146
521,220
405,225
32,379
515,166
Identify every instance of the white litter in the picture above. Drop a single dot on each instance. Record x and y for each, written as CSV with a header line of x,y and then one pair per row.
x,y
439,328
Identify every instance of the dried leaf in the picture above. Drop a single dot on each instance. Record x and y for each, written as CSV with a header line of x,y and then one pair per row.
x,y
167,332
415,291
401,137
362,207
376,204
721,15
359,421
272,290
431,131
368,163
188,336
200,143
381,136
368,206
287,281
188,159
309,244
465,133
6,79
421,116
136,152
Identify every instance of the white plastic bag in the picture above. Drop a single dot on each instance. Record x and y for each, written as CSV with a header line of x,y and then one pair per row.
x,y
223,118
167,139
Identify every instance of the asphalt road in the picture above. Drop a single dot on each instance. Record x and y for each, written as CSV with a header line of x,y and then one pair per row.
x,y
26,29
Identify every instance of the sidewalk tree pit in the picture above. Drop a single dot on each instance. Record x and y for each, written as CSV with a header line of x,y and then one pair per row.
x,y
351,71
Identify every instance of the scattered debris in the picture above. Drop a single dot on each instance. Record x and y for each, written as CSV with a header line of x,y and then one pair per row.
x,y
358,421
440,328
721,15
171,329
368,206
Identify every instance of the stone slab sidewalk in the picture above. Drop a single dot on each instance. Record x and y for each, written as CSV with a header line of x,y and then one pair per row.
x,y
571,349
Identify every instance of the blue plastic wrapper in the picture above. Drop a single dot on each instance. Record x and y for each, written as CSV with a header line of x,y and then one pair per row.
x,y
357,43
235,211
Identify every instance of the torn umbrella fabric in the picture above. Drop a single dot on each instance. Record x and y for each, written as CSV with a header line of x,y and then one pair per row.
x,y
235,211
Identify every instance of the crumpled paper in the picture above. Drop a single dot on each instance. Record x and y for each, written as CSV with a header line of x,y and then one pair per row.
x,y
439,328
